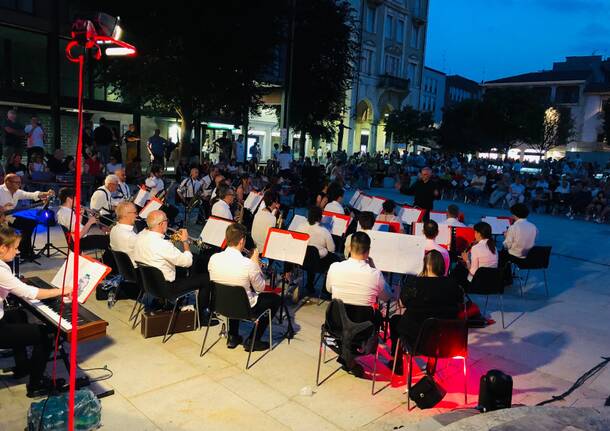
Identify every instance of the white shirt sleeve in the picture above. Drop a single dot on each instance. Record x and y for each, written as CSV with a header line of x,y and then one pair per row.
x,y
175,256
12,284
22,194
330,244
257,280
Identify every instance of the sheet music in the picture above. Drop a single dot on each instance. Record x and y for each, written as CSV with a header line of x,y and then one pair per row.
x,y
90,273
438,216
375,205
152,205
336,223
397,253
364,202
214,231
253,200
409,215
354,199
296,222
286,246
444,233
498,225
142,197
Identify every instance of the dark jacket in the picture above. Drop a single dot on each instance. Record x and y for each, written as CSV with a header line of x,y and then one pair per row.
x,y
423,192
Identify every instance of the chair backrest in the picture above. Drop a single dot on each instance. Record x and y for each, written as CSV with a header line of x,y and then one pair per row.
x,y
231,301
311,261
537,258
487,281
125,266
442,338
153,281
341,326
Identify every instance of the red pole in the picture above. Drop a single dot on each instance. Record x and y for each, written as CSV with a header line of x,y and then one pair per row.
x,y
76,241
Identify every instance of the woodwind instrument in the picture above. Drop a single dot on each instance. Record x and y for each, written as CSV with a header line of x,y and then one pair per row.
x,y
239,217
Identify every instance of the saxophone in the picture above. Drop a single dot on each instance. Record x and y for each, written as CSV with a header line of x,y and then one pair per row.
x,y
239,217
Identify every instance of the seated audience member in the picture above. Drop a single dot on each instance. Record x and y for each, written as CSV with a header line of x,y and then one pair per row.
x,y
428,295
113,165
230,267
431,232
483,254
14,166
516,192
580,197
366,221
56,163
357,282
500,190
596,207
388,215
453,214
477,186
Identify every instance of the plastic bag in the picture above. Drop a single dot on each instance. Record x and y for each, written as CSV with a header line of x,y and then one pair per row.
x,y
87,412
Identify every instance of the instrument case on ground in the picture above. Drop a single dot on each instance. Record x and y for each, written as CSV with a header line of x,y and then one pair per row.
x,y
154,324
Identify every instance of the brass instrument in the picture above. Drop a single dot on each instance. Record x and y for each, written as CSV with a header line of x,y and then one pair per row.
x,y
239,217
98,215
280,220
175,237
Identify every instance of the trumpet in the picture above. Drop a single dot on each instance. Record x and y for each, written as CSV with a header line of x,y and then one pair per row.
x,y
175,237
98,215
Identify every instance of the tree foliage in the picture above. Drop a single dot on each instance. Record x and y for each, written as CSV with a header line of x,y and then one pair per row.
x,y
460,130
409,125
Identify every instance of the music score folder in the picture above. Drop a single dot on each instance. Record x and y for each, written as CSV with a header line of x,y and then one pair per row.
x,y
142,197
90,273
409,215
252,201
214,231
336,222
397,253
286,246
152,205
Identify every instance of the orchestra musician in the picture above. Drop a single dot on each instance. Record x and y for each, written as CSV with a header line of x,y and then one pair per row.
x,y
151,248
357,282
122,234
265,218
222,207
68,219
453,214
388,215
189,187
518,239
483,254
15,330
154,181
431,232
101,199
231,268
123,192
10,195
366,221
335,199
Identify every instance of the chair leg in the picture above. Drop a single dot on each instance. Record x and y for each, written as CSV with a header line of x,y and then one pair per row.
x,y
205,337
501,301
465,382
546,287
171,321
485,308
375,370
133,314
270,331
252,344
322,347
409,379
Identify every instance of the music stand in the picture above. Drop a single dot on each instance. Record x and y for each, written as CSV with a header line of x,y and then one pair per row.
x,y
49,246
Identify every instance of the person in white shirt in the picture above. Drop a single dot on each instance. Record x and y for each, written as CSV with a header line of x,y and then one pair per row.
x,y
154,181
335,199
122,234
35,138
366,221
189,187
265,218
113,165
222,207
388,214
521,235
152,249
453,214
67,219
477,186
123,192
285,160
16,332
10,195
431,232
101,199
483,254
515,192
231,268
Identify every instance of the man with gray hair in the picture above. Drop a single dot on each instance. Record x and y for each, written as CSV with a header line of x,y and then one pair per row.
x,y
122,234
425,190
13,135
123,192
101,199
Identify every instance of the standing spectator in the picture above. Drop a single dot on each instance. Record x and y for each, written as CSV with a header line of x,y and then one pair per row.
x,y
240,150
169,150
115,149
132,141
226,146
276,151
13,134
35,137
102,138
156,147
285,160
88,136
254,150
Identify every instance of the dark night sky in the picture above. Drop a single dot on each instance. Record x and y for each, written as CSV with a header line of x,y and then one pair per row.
x,y
489,39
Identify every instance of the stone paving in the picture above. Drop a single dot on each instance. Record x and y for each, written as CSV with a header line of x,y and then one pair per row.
x,y
549,344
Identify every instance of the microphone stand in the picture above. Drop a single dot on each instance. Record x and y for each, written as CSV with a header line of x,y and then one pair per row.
x,y
49,246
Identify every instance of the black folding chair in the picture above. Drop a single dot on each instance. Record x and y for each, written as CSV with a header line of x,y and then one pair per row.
x,y
130,275
488,281
312,265
438,339
232,302
153,283
537,258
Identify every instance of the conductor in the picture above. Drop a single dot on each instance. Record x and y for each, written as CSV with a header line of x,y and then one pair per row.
x,y
425,191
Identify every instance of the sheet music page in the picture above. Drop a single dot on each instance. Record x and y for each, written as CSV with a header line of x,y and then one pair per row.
x,y
214,231
142,197
152,205
375,205
438,217
253,200
336,225
363,203
444,233
409,215
354,199
90,274
283,246
296,222
498,225
397,253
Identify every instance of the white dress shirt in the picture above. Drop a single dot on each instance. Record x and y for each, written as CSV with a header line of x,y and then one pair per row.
x,y
152,249
355,282
101,200
520,237
481,257
123,238
155,185
11,284
6,196
207,181
222,209
334,207
230,267
432,245
319,237
453,222
67,218
189,187
284,160
263,221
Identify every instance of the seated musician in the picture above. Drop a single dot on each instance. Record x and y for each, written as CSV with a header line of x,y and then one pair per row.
x,y
357,282
430,294
431,232
152,249
521,235
10,195
366,221
122,234
123,192
388,215
67,219
222,207
101,199
335,199
453,214
231,268
189,187
483,254
154,181
265,218
15,331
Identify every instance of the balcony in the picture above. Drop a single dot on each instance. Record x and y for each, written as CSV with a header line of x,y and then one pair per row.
x,y
393,83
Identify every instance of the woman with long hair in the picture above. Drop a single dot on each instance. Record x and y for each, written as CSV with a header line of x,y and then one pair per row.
x,y
483,254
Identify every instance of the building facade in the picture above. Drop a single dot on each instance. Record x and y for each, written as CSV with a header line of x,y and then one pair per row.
x,y
433,94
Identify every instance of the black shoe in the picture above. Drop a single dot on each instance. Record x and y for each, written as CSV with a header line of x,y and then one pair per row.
x,y
234,340
44,387
203,320
258,345
398,368
357,370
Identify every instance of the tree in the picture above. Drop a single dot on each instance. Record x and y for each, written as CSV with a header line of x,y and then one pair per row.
x,y
195,58
557,128
606,121
325,53
461,129
409,125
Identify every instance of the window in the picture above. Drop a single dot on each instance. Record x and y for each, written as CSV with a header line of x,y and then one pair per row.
x,y
366,65
23,60
411,69
18,5
371,15
389,26
392,65
415,36
567,94
400,31
417,7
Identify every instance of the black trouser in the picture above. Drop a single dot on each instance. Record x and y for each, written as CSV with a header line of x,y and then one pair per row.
x,y
94,242
325,263
197,278
26,226
266,300
16,333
